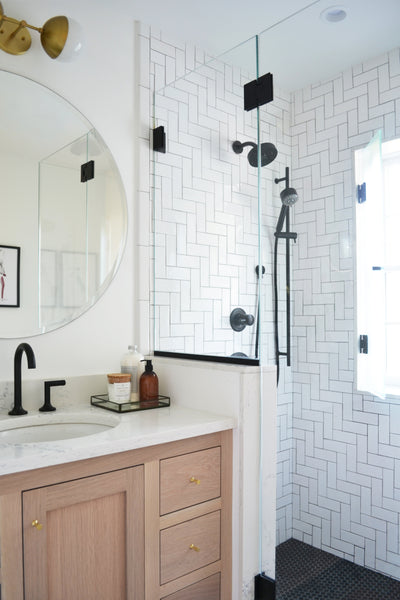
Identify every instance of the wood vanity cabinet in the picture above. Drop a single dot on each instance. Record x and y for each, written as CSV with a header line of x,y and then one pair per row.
x,y
147,524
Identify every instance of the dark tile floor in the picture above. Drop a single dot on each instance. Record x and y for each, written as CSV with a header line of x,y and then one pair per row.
x,y
306,573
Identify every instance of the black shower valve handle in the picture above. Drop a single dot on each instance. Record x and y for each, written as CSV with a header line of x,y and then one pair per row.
x,y
247,319
239,319
47,406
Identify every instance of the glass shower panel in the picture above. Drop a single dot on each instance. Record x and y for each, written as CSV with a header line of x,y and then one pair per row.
x,y
206,212
62,250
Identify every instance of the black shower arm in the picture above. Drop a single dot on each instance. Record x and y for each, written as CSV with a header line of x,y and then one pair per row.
x,y
252,144
285,179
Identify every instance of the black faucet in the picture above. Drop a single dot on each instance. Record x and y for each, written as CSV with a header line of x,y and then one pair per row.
x,y
24,347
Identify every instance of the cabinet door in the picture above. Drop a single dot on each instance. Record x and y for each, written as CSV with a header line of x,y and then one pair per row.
x,y
84,539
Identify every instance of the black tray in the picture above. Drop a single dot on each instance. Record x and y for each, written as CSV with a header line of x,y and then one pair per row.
x,y
103,401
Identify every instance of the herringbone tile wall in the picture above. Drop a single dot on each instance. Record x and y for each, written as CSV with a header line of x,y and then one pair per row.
x,y
206,208
346,469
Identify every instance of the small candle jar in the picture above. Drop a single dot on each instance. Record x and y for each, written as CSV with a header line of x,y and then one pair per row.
x,y
119,387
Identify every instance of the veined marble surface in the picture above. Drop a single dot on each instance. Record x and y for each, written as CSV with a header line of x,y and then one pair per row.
x,y
132,430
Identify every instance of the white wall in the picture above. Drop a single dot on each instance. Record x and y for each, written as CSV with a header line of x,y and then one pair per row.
x,y
100,83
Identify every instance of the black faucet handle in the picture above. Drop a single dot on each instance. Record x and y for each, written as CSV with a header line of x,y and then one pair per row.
x,y
47,406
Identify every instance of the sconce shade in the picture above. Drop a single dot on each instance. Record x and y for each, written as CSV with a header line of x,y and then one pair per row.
x,y
74,44
54,36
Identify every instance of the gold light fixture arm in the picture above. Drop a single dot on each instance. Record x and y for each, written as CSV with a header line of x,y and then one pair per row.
x,y
17,40
3,17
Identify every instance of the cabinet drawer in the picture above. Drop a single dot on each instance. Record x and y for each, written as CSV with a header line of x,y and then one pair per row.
x,y
206,589
189,479
179,557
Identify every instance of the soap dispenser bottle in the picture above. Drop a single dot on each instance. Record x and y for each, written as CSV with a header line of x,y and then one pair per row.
x,y
148,384
131,363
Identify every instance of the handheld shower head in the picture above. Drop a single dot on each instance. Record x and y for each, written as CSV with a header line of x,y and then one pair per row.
x,y
268,152
289,197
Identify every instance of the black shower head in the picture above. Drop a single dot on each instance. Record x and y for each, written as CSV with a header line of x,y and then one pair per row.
x,y
268,152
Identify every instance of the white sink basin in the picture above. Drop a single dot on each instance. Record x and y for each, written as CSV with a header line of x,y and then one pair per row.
x,y
50,428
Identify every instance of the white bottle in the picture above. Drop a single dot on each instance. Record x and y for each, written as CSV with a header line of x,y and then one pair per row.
x,y
130,363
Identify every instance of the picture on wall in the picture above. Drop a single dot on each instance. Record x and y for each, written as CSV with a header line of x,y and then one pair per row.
x,y
9,275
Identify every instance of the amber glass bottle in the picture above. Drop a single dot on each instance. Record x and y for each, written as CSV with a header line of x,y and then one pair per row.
x,y
148,384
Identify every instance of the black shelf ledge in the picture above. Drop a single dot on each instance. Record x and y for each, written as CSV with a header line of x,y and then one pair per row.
x,y
232,360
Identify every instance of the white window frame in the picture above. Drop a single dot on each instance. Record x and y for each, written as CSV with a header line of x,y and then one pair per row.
x,y
373,266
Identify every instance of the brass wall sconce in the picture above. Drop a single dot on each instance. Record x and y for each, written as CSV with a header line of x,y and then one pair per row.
x,y
16,39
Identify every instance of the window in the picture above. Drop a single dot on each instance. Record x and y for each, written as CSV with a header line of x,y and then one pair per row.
x,y
378,267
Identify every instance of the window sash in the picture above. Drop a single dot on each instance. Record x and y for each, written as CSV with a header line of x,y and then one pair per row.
x,y
370,253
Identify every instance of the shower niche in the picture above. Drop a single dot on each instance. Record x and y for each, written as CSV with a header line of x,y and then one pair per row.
x,y
215,211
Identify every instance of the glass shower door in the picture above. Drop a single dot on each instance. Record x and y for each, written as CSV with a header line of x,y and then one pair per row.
x,y
206,212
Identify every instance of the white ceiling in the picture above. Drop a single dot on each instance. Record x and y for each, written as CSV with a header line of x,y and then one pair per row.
x,y
300,50
296,46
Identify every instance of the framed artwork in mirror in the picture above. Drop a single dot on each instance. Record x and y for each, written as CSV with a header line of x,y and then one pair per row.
x,y
9,275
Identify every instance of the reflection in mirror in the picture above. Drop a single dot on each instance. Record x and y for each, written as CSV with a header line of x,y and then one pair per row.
x,y
71,232
76,260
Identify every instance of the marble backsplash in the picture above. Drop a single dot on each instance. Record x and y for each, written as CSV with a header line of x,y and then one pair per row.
x,y
77,391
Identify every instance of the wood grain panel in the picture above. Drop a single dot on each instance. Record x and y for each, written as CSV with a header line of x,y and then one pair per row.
x,y
91,545
177,558
11,548
207,589
190,513
226,517
152,526
176,488
97,567
191,578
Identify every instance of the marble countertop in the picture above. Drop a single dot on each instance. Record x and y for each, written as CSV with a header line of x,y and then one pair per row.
x,y
127,432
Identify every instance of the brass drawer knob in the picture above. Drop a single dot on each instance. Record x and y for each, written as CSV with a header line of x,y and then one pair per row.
x,y
37,525
194,480
195,548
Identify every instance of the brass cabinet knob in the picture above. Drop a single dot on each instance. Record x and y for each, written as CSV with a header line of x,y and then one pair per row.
x,y
195,548
37,525
194,480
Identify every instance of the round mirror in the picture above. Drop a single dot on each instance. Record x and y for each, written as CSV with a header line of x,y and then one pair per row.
x,y
63,209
